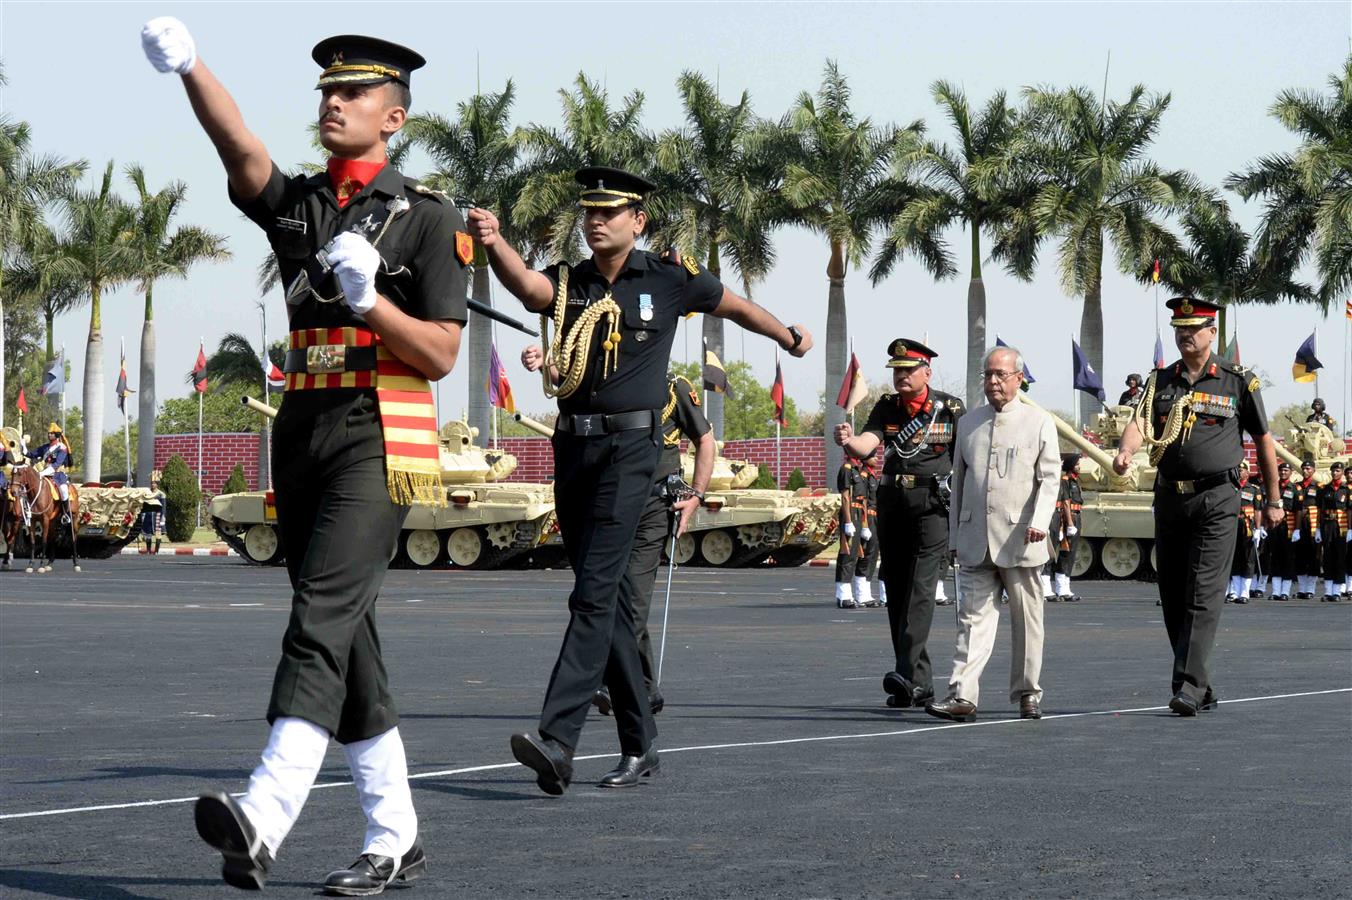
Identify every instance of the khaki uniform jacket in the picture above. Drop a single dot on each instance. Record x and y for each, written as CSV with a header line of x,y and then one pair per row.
x,y
1006,476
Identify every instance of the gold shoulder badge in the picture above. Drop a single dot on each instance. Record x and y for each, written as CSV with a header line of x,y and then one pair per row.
x,y
690,265
1253,384
464,248
694,397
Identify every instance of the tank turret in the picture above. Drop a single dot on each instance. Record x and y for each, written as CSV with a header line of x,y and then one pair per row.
x,y
1316,441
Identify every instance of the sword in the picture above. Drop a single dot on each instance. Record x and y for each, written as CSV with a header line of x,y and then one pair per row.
x,y
666,607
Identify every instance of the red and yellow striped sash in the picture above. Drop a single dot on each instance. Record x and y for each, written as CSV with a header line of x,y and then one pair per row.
x,y
408,416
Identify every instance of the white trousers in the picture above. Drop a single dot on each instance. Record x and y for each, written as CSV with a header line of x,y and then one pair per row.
x,y
978,617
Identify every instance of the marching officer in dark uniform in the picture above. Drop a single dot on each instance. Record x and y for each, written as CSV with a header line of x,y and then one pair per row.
x,y
1281,562
1192,417
1065,530
858,557
1320,417
1247,537
373,268
917,425
1335,506
614,318
1305,537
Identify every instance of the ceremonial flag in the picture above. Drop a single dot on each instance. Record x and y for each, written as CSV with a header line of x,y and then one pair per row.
x,y
1159,351
274,376
1234,350
1155,275
1027,373
122,390
1086,379
777,394
22,403
199,371
854,388
715,378
54,379
1306,362
499,391
1348,310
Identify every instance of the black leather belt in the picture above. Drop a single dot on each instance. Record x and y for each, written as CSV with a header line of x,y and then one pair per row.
x,y
594,424
908,481
1194,485
329,358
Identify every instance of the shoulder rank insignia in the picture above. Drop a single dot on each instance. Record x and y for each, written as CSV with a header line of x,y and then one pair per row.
x,y
694,397
420,188
1253,384
464,248
690,265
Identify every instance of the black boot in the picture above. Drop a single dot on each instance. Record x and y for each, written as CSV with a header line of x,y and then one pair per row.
x,y
371,873
631,769
223,825
551,761
65,512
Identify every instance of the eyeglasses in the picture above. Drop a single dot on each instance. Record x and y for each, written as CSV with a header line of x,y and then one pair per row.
x,y
997,374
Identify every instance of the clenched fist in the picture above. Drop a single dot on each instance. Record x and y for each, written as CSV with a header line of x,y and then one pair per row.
x,y
483,225
842,433
533,357
168,45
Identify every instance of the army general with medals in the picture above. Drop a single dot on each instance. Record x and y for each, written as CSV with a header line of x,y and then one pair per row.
x,y
916,426
614,318
1192,418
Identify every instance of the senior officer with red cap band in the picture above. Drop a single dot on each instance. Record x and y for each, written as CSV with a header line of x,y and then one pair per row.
x,y
373,266
916,426
1192,418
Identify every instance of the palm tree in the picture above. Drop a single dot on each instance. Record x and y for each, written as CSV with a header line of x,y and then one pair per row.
x,y
838,183
592,134
1308,193
42,273
716,191
476,158
234,362
975,185
1099,189
161,254
99,245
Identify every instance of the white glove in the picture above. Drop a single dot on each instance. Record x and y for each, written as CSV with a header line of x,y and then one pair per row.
x,y
866,534
355,262
1257,536
848,529
168,45
1318,537
1295,535
1349,538
1072,531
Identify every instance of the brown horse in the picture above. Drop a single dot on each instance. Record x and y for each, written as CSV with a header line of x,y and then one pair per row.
x,y
35,510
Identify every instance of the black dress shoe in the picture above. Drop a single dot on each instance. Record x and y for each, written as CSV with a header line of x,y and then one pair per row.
x,y
1029,707
1051,598
631,769
955,709
921,696
552,761
372,873
896,685
223,825
1184,705
1241,599
657,702
1209,701
1070,598
601,700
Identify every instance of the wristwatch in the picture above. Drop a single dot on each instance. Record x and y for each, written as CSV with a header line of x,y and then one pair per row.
x,y
1274,504
796,335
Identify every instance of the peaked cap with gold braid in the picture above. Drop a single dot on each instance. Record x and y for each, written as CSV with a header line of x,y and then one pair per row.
x,y
603,186
357,59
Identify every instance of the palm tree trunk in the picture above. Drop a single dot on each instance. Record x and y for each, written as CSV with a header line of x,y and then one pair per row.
x,y
837,356
92,452
145,403
713,340
2,348
480,348
1091,342
976,323
51,325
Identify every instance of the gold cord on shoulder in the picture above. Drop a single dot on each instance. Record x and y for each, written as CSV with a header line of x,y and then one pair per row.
x,y
1174,425
569,352
673,439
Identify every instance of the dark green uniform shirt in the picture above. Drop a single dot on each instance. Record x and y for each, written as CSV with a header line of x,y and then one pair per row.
x,y
1225,400
929,451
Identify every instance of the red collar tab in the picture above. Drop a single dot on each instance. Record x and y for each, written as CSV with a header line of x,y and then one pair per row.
x,y
349,176
922,402
1211,370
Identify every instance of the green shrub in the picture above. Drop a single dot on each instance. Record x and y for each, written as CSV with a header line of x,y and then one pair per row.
x,y
236,484
796,480
181,499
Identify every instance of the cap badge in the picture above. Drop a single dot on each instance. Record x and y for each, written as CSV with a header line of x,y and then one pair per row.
x,y
337,59
1185,308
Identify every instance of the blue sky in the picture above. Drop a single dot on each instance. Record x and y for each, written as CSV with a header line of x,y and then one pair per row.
x,y
78,77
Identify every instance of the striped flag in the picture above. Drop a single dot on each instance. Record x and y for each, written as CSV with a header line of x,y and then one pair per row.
x,y
715,378
1306,362
122,390
274,376
1159,351
777,394
1348,309
1155,275
199,370
499,391
21,402
854,388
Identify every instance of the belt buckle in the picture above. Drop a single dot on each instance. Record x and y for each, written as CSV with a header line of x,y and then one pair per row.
x,y
323,359
1186,487
907,481
582,425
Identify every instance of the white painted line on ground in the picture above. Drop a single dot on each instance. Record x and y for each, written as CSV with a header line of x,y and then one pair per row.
x,y
493,767
246,604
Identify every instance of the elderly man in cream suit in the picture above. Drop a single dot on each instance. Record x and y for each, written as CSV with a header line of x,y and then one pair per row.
x,y
1006,471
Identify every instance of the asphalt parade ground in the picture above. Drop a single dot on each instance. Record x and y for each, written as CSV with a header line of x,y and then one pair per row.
x,y
127,689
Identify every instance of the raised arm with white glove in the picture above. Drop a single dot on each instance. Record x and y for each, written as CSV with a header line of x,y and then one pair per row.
x,y
168,45
355,262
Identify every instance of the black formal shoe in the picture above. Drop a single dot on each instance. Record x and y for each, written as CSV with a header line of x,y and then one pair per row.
x,y
631,769
1029,707
552,761
943,602
1209,701
1070,598
1255,594
223,825
601,700
897,685
921,696
954,709
1241,599
371,873
1184,705
1050,598
1303,595
656,702
898,701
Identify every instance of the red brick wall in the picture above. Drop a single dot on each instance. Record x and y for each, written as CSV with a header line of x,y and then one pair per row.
x,y
220,454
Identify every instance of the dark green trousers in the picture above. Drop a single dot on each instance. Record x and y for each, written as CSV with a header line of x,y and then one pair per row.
x,y
338,527
913,539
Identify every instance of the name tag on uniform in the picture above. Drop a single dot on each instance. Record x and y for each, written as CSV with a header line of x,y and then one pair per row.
x,y
292,225
1215,405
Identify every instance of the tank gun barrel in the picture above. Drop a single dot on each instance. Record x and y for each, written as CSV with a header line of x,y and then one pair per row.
x,y
1287,455
1087,447
259,406
538,427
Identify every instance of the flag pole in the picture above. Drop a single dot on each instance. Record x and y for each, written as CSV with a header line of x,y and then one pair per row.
x,y
852,357
201,346
62,397
704,385
126,421
779,447
267,396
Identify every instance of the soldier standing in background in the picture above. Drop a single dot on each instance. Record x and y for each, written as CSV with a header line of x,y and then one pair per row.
x,y
1335,505
1319,417
1281,563
858,486
1247,537
1305,536
1065,533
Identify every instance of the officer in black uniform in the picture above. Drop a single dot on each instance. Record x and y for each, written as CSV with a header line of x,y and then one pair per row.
x,y
369,262
1320,417
614,317
1065,531
917,426
1305,537
1281,560
857,559
1132,395
1192,417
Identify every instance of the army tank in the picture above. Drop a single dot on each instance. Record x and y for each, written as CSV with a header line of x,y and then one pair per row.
x,y
110,515
485,523
741,526
1317,442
